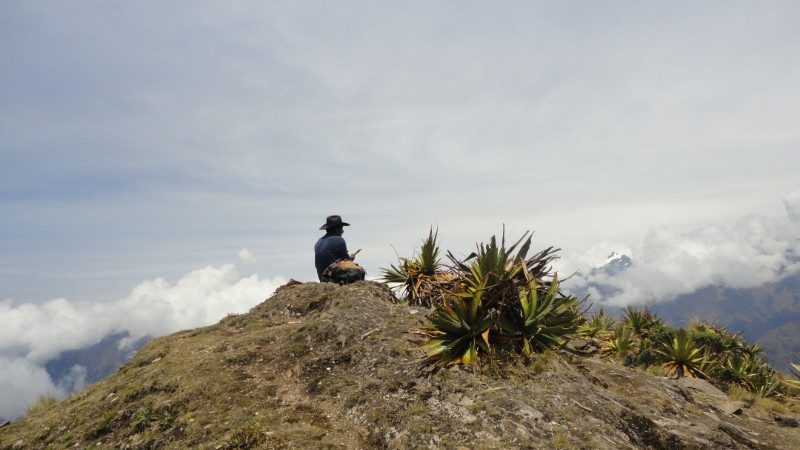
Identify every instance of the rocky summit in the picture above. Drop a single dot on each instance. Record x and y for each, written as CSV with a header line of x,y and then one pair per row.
x,y
328,366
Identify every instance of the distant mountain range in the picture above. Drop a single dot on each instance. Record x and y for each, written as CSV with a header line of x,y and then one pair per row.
x,y
768,314
73,369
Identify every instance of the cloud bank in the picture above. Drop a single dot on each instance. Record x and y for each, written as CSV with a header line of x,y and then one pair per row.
x,y
750,252
33,334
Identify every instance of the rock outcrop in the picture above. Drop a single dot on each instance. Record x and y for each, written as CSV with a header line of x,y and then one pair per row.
x,y
321,365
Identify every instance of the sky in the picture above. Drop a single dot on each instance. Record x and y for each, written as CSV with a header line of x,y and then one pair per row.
x,y
145,142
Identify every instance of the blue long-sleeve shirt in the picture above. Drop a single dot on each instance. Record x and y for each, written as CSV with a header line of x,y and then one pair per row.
x,y
328,249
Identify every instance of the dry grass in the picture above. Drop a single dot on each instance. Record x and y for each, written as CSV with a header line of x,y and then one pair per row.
x,y
308,370
41,405
768,404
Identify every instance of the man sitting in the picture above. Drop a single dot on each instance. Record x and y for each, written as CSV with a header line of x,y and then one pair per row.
x,y
332,248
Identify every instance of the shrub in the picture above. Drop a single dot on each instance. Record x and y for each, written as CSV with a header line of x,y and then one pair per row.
x,y
540,322
620,342
640,320
598,325
682,357
457,329
420,279
657,335
498,299
44,403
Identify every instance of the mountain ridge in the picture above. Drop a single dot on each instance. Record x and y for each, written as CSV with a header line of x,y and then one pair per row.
x,y
768,314
327,366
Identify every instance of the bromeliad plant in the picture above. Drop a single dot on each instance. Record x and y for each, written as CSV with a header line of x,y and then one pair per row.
x,y
502,270
421,279
719,341
598,325
542,321
682,357
497,296
640,320
463,327
620,342
457,329
738,371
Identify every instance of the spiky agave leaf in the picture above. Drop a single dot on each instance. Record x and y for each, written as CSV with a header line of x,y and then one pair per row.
x,y
500,267
396,274
640,319
753,350
428,260
709,365
458,329
418,278
767,387
763,379
542,321
599,324
737,371
718,340
682,356
497,264
620,342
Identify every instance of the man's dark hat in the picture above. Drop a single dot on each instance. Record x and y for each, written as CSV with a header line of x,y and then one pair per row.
x,y
333,222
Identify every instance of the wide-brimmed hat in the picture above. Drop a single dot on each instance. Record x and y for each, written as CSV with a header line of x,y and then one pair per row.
x,y
333,222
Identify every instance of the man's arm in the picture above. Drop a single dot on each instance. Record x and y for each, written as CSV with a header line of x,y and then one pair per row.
x,y
341,249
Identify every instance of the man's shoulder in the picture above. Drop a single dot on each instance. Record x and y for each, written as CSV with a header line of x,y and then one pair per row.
x,y
330,240
336,240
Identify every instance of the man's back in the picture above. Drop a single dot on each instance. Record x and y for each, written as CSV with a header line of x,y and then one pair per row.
x,y
328,249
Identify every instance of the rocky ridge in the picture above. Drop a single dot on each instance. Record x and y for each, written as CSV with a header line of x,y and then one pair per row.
x,y
327,366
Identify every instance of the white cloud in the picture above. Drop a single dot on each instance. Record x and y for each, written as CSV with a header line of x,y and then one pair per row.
x,y
22,382
74,380
792,205
750,252
247,257
32,334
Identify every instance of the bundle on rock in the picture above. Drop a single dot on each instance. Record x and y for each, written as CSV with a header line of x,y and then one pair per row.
x,y
344,271
422,279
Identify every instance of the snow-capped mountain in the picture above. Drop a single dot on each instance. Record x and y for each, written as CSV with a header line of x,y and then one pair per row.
x,y
614,264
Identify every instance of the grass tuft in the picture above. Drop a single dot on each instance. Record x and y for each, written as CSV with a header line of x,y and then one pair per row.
x,y
41,405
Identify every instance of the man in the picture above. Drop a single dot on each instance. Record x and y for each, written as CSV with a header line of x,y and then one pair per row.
x,y
331,247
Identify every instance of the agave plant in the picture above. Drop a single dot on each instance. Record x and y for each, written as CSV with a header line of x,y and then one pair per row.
x,y
502,269
620,343
737,371
718,340
640,320
710,366
496,292
497,265
767,387
682,356
763,379
421,279
599,324
458,329
752,350
542,320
